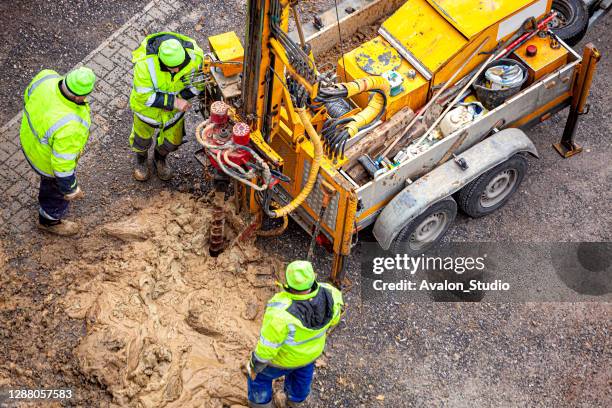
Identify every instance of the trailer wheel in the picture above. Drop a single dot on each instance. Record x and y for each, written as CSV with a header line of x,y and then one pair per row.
x,y
427,229
572,20
494,188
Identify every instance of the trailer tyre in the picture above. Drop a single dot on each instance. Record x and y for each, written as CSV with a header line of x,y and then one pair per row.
x,y
572,20
493,189
427,229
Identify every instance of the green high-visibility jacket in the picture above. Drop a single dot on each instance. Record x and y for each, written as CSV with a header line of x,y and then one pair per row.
x,y
294,327
54,130
155,87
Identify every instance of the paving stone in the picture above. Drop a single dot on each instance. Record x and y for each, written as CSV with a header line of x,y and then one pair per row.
x,y
24,222
26,197
14,205
97,68
104,62
12,136
4,155
15,159
105,87
126,51
15,190
23,167
109,51
115,76
156,13
99,97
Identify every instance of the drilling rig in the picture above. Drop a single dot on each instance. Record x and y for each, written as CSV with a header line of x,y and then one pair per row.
x,y
298,142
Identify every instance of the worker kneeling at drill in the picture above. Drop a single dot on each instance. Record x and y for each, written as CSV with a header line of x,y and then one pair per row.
x,y
54,131
165,66
293,335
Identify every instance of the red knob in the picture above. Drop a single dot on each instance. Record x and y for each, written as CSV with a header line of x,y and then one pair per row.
x,y
532,50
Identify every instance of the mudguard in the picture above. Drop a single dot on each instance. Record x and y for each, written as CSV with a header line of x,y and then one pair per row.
x,y
447,179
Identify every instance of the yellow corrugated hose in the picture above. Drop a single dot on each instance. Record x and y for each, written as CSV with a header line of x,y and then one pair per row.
x,y
314,169
375,105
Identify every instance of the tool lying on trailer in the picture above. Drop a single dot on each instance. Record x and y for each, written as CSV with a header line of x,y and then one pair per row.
x,y
543,24
435,97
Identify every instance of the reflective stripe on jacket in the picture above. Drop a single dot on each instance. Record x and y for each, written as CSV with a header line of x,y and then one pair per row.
x,y
54,130
154,89
294,327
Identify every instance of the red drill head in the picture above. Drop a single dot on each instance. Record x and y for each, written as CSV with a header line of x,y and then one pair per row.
x,y
241,133
218,113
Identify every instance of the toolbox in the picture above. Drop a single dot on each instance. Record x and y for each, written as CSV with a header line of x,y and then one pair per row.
x,y
546,59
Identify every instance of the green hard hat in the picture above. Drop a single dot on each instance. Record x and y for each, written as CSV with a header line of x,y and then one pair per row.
x,y
171,53
81,81
300,275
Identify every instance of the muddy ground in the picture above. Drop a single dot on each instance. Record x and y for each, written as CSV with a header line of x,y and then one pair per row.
x,y
395,355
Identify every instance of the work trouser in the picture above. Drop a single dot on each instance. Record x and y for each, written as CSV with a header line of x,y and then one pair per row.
x,y
297,383
53,206
169,137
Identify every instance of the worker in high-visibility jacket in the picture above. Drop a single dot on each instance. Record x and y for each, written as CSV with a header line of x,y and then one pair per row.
x,y
293,335
54,131
165,65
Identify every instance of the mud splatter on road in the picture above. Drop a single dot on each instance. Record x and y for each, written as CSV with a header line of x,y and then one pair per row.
x,y
168,325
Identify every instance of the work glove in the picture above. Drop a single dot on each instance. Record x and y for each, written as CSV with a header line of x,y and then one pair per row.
x,y
181,104
75,195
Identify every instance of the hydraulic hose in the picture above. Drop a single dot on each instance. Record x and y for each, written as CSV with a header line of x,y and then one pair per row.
x,y
335,141
376,105
314,168
240,175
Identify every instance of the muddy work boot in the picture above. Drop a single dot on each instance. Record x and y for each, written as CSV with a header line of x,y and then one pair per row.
x,y
293,404
141,167
59,227
164,171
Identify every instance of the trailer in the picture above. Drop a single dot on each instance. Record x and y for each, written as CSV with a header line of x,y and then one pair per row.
x,y
425,53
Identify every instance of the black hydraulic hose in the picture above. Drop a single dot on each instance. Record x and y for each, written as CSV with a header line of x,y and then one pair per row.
x,y
326,93
332,130
337,141
380,114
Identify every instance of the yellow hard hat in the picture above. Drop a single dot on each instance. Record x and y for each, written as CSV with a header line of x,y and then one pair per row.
x,y
81,81
171,53
300,275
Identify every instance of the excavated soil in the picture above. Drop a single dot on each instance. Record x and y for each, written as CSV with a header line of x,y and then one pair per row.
x,y
329,60
166,324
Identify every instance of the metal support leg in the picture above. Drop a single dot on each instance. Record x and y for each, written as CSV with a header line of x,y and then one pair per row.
x,y
567,147
338,270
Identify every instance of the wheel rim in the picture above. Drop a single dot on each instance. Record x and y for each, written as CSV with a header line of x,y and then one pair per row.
x,y
564,16
498,188
428,231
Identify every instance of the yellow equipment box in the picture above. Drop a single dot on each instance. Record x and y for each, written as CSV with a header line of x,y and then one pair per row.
x,y
546,59
227,48
376,57
436,36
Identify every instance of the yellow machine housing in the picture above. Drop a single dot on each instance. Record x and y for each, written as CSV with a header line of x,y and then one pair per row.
x,y
376,57
227,48
433,38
